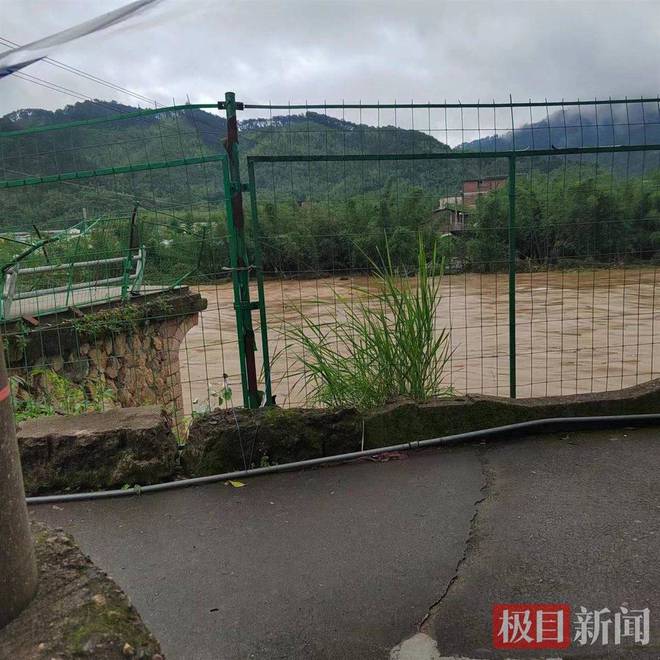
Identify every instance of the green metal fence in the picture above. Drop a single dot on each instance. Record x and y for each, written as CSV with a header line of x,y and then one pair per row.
x,y
550,263
604,150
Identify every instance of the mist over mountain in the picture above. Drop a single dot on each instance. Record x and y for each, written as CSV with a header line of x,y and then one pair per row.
x,y
586,126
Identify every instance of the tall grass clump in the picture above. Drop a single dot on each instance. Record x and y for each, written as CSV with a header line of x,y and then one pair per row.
x,y
383,345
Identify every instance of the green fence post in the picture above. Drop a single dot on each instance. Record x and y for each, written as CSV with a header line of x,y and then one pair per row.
x,y
241,266
69,280
260,282
512,276
126,276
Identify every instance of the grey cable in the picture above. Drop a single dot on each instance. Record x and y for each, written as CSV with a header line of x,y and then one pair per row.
x,y
552,424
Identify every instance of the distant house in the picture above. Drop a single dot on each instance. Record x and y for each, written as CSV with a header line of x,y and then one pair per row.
x,y
457,208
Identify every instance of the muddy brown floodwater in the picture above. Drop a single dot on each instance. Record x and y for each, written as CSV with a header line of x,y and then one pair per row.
x,y
577,331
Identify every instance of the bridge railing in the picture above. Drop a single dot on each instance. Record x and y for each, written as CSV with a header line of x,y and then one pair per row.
x,y
63,297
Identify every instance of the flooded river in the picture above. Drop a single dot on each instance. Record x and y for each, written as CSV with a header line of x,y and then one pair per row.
x,y
577,331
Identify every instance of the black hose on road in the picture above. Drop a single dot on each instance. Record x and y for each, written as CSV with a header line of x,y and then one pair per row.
x,y
552,424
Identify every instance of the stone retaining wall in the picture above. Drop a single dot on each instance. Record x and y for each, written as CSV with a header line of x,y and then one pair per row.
x,y
127,355
139,368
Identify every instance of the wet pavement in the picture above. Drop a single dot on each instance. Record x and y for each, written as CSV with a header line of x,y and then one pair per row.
x,y
347,561
330,563
572,519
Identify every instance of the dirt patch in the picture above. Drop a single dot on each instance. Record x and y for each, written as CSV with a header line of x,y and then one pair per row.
x,y
78,610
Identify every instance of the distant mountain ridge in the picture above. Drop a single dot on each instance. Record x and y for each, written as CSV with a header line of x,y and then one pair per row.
x,y
569,127
194,132
305,133
26,118
589,126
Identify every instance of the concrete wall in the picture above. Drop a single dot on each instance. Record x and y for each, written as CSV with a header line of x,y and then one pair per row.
x,y
216,440
97,450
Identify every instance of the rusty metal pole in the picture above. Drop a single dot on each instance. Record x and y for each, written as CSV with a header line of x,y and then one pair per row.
x,y
241,268
18,568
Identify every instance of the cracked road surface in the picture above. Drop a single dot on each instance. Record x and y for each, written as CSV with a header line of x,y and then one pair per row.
x,y
347,561
339,562
572,519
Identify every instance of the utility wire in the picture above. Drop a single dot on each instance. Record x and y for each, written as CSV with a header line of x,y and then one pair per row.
x,y
88,76
65,90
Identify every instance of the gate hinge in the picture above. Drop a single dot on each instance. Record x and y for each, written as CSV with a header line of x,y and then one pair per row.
x,y
239,105
247,305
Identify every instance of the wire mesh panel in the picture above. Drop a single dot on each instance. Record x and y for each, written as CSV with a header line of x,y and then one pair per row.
x,y
102,223
72,267
551,266
586,247
322,250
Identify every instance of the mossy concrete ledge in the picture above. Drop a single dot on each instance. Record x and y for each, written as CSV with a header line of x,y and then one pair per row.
x,y
78,612
96,451
218,442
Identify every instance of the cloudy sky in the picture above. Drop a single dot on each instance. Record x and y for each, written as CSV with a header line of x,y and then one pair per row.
x,y
312,50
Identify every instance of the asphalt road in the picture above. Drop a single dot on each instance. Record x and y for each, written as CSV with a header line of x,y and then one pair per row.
x,y
339,562
571,520
347,561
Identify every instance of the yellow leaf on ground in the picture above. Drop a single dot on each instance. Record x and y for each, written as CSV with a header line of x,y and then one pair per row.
x,y
236,484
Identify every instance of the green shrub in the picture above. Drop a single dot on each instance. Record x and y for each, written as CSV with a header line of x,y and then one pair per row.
x,y
57,395
382,346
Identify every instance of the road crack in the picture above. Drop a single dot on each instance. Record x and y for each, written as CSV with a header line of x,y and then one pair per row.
x,y
486,483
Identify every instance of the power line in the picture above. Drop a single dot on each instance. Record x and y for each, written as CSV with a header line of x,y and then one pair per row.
x,y
88,76
84,74
64,90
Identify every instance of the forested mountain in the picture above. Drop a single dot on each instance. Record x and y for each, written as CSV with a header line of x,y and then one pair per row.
x,y
586,126
191,133
183,132
321,216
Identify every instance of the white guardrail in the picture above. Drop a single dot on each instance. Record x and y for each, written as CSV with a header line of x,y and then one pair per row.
x,y
128,283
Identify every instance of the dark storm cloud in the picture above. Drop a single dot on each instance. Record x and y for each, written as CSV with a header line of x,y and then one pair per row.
x,y
302,50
